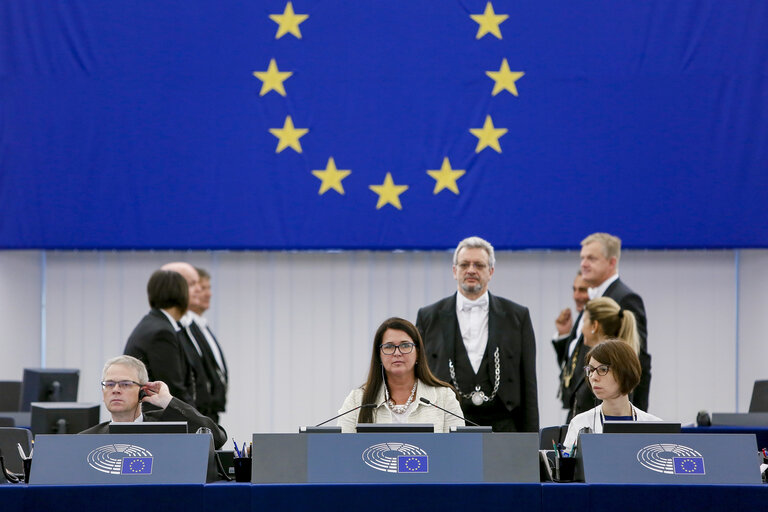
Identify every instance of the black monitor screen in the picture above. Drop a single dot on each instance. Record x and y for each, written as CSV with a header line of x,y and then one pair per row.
x,y
10,395
148,427
759,402
394,427
64,417
640,427
43,385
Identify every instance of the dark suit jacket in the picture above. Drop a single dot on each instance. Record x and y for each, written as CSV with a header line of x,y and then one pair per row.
x,y
509,328
217,401
176,411
631,301
154,341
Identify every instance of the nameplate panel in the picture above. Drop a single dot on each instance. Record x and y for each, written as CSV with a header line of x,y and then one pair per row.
x,y
669,458
395,458
120,459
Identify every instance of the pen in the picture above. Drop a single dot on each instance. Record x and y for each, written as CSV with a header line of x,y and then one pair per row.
x,y
243,452
237,452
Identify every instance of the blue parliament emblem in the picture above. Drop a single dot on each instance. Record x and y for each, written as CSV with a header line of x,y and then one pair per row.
x,y
689,465
121,459
671,459
396,458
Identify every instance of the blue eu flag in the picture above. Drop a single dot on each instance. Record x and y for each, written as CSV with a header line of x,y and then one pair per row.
x,y
689,465
413,464
137,466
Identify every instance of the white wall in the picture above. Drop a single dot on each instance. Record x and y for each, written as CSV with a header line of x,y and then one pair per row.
x,y
297,327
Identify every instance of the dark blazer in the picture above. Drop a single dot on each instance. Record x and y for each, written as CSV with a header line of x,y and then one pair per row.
x,y
154,341
176,411
561,345
629,300
217,376
210,388
509,328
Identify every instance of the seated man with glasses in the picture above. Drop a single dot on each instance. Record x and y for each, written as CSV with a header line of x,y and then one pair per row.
x,y
125,387
613,372
398,379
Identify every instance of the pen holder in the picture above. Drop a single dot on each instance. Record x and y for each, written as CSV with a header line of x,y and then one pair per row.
x,y
27,468
565,469
242,468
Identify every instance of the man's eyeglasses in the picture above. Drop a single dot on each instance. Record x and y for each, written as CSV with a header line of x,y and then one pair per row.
x,y
465,266
405,348
124,385
601,370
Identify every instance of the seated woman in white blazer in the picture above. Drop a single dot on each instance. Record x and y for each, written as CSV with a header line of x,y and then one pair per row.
x,y
398,378
613,372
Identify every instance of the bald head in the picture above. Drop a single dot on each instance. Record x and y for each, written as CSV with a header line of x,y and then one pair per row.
x,y
189,273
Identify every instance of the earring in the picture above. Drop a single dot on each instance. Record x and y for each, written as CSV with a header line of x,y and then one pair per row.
x,y
593,331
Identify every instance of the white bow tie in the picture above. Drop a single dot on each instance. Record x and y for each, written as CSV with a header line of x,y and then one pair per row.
x,y
469,305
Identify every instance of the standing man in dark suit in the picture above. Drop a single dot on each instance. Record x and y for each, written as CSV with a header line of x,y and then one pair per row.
x,y
483,345
195,346
212,353
154,340
600,253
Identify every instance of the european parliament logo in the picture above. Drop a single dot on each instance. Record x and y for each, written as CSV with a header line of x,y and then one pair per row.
x,y
121,459
396,458
671,459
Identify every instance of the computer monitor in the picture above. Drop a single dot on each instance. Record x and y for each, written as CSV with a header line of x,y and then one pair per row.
x,y
43,385
63,417
759,402
148,427
394,428
10,395
640,427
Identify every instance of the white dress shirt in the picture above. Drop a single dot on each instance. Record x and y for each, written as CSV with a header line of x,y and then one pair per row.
x,y
473,324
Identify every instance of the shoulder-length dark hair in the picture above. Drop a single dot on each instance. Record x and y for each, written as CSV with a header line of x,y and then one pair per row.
x,y
376,374
167,289
623,361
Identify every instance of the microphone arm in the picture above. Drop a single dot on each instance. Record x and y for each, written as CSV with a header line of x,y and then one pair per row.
x,y
449,412
346,412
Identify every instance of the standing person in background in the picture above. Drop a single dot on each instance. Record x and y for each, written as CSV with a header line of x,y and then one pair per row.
x,y
195,347
154,340
483,345
568,331
212,352
602,319
600,254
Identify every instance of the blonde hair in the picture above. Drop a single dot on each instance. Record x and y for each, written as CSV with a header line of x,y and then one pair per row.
x,y
614,321
611,244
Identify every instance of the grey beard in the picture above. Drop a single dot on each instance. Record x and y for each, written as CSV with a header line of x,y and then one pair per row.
x,y
471,289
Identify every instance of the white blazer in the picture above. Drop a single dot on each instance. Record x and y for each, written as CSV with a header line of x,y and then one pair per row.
x,y
420,412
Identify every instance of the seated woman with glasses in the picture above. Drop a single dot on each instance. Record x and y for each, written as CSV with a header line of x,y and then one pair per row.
x,y
613,372
398,379
603,319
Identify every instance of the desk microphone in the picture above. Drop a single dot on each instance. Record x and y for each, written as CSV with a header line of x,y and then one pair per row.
x,y
346,412
449,412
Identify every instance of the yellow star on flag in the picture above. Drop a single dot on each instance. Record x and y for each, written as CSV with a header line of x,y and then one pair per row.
x,y
505,79
288,22
489,22
272,79
288,135
389,192
488,135
446,177
331,177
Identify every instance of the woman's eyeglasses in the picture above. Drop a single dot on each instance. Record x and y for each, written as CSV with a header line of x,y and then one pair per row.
x,y
601,370
405,348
